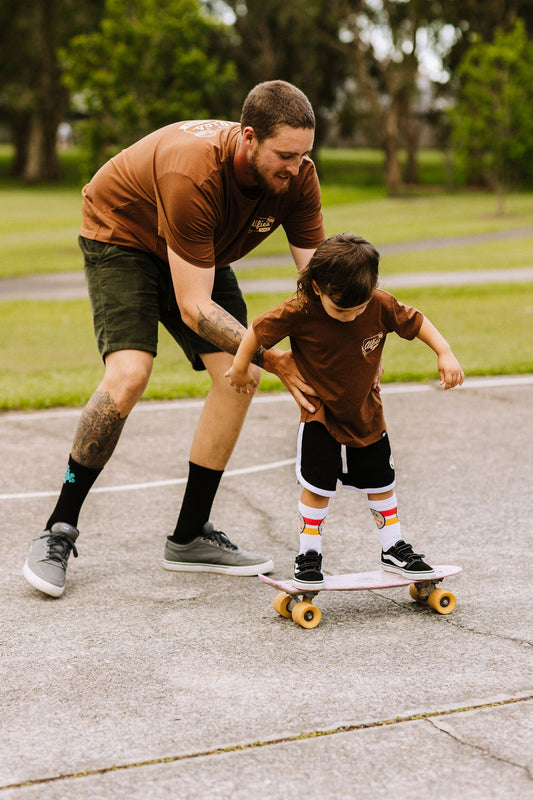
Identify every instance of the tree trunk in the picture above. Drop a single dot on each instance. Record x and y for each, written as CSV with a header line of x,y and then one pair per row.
x,y
392,164
48,104
412,136
19,125
41,158
32,171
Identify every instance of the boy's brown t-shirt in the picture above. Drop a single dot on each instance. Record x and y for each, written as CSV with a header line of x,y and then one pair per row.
x,y
176,187
340,359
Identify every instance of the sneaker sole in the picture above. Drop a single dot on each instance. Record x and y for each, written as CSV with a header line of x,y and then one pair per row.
x,y
38,583
309,585
400,571
247,571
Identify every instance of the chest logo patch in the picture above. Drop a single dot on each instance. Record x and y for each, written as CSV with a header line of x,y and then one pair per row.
x,y
262,225
205,127
371,342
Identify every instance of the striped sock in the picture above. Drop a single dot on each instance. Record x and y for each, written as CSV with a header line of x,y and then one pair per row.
x,y
311,524
385,515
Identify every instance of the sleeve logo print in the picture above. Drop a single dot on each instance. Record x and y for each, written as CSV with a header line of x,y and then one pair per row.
x,y
370,343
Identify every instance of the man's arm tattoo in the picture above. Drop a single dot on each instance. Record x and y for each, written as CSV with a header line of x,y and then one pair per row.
x,y
223,330
98,431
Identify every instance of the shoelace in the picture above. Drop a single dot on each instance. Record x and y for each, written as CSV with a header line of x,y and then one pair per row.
x,y
59,547
221,539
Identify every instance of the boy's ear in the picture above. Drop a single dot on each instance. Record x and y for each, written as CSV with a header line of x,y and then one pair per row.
x,y
316,288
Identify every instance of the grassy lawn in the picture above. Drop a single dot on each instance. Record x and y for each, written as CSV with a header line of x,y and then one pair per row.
x,y
39,225
47,353
48,356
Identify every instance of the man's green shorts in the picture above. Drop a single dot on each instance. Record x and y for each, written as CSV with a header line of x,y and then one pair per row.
x,y
131,292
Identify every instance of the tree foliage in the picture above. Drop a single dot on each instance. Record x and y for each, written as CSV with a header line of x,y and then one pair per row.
x,y
129,66
478,20
297,41
33,100
387,37
151,62
493,118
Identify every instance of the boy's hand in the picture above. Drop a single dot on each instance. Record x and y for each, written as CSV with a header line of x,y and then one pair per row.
x,y
450,371
243,382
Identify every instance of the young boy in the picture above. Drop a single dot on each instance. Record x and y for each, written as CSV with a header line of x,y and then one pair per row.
x,y
337,323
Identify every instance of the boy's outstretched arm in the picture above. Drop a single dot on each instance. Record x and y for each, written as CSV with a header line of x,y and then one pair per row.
x,y
450,371
239,374
279,362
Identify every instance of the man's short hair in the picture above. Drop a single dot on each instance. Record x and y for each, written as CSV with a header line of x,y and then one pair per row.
x,y
272,104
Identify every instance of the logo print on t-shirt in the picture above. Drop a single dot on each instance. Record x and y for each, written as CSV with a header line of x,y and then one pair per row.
x,y
371,343
261,225
205,127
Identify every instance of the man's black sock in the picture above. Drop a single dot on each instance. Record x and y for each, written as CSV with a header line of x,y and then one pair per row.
x,y
77,483
198,500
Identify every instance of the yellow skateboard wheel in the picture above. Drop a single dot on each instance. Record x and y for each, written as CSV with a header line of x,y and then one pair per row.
x,y
442,601
306,614
281,602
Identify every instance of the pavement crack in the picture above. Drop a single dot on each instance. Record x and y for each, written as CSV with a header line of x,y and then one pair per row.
x,y
414,608
491,635
443,728
305,735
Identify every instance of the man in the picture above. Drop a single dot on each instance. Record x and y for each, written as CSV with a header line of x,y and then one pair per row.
x,y
161,223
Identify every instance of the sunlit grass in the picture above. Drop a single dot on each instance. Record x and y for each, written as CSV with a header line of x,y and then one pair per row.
x,y
48,356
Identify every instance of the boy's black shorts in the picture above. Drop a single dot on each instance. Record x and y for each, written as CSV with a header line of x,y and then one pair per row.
x,y
131,291
321,462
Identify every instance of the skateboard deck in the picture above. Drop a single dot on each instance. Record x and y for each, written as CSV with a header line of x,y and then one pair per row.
x,y
294,601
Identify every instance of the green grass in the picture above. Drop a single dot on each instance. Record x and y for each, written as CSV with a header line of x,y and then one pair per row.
x,y
48,356
39,225
512,253
47,353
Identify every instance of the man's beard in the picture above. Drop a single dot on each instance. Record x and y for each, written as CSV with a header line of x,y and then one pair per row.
x,y
262,183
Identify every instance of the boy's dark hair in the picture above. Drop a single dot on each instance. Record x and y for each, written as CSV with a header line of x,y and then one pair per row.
x,y
345,267
275,103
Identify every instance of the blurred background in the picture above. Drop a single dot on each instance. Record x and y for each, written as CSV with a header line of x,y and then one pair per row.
x,y
424,144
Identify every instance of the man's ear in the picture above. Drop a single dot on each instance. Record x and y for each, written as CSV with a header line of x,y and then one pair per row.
x,y
248,135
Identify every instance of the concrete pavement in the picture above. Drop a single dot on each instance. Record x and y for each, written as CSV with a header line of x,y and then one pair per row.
x,y
141,683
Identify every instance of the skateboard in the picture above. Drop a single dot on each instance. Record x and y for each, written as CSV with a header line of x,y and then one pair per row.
x,y
292,601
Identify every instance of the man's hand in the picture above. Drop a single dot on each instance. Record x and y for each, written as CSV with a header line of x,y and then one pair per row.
x,y
281,363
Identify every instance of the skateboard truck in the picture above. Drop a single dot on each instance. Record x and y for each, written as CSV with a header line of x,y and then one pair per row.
x,y
302,611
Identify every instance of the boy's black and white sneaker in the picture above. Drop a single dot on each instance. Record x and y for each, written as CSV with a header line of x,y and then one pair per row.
x,y
401,559
308,570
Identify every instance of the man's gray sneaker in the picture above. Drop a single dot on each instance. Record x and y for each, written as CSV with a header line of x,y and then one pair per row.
x,y
46,564
213,552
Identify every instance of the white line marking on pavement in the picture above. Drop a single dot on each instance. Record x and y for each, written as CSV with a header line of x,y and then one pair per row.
x,y
497,381
155,406
129,487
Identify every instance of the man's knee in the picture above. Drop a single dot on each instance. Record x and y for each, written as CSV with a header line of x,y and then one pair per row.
x,y
127,374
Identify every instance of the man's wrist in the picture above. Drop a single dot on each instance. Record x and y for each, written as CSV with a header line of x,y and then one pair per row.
x,y
260,357
267,359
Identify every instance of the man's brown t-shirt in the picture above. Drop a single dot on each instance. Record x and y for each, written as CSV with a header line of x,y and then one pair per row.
x,y
340,359
176,187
